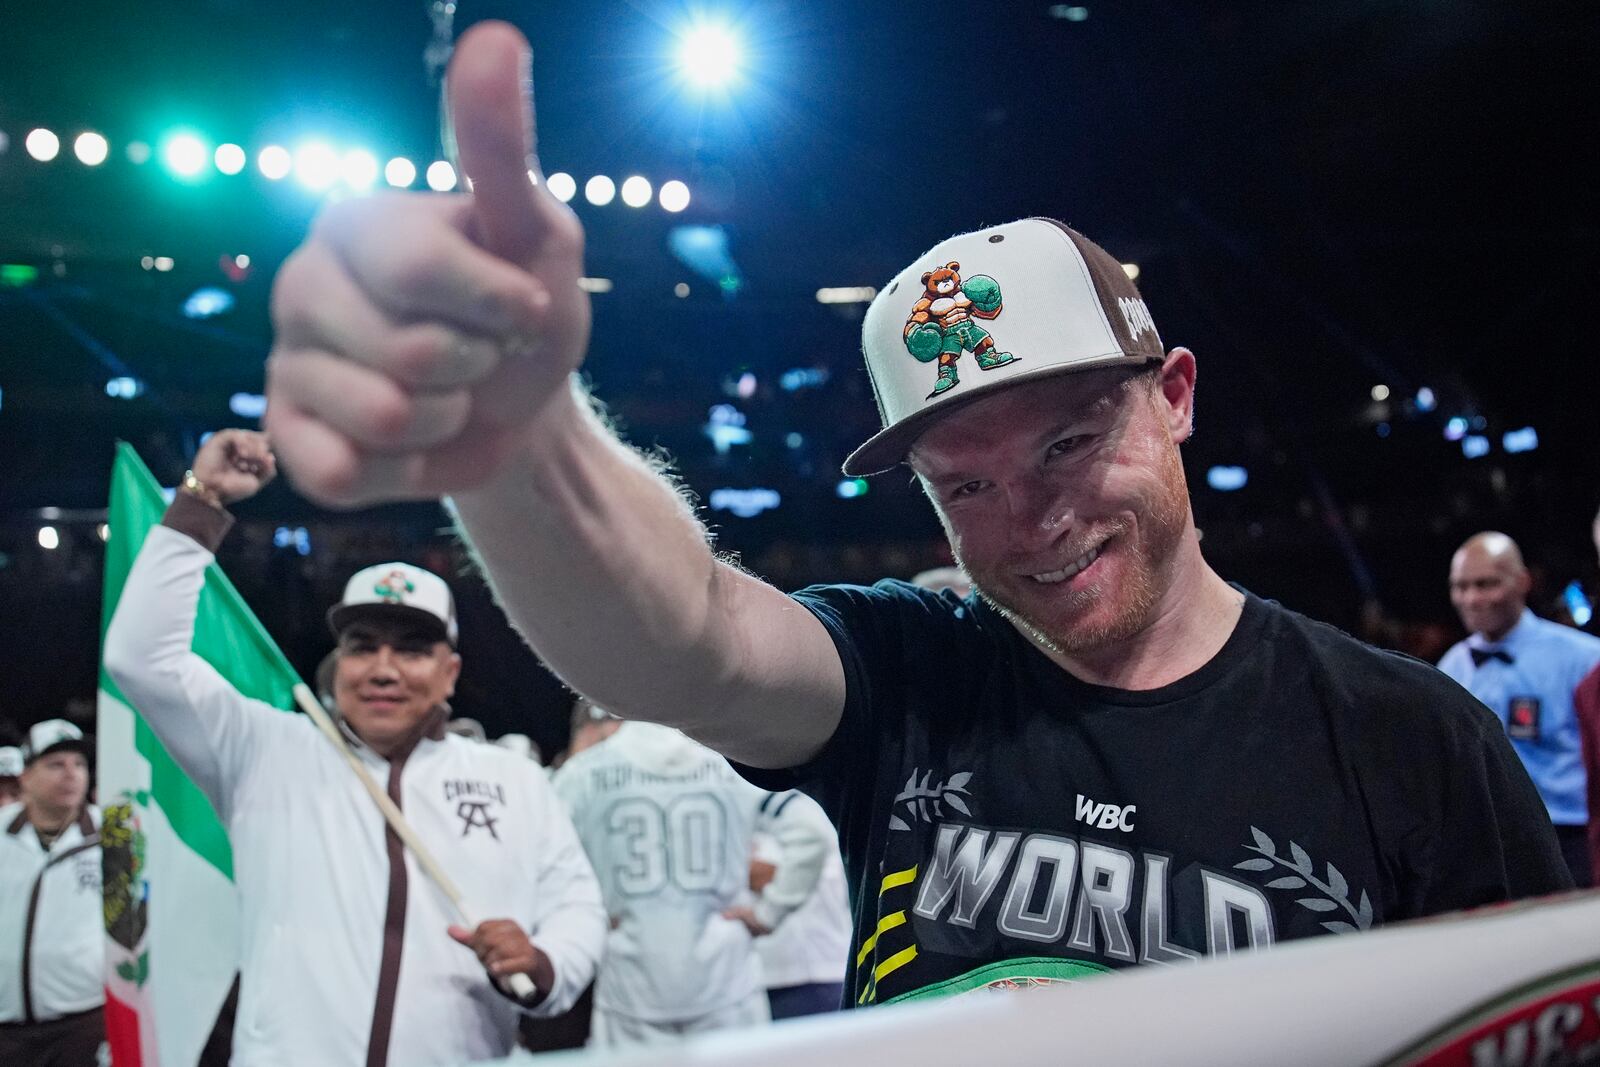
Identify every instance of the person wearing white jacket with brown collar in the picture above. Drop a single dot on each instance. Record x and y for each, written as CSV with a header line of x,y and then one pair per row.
x,y
349,955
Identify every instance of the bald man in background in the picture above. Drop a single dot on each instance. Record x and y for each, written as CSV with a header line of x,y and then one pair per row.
x,y
1525,669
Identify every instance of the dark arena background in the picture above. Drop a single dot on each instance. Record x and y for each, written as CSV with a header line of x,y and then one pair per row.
x,y
1374,222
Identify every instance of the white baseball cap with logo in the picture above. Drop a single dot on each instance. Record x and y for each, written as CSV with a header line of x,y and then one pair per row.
x,y
988,310
52,735
11,765
397,590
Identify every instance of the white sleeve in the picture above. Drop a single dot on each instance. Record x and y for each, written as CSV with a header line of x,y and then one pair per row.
x,y
570,927
804,837
214,732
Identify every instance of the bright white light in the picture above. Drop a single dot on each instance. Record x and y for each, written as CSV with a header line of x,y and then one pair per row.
x,y
595,285
42,145
248,405
1523,440
562,186
1455,429
91,149
49,538
746,386
400,172
124,388
850,294
147,262
745,503
1227,479
138,153
207,302
1425,399
1131,270
241,261
104,531
680,290
229,158
185,155
359,169
1474,445
851,488
1380,392
316,166
709,56
164,263
674,196
599,190
275,162
441,176
636,191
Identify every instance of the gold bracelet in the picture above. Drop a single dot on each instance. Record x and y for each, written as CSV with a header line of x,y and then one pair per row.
x,y
195,487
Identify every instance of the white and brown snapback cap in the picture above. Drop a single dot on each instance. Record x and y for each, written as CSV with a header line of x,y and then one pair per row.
x,y
397,590
990,309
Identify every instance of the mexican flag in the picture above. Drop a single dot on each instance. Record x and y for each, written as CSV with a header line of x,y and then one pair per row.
x,y
171,910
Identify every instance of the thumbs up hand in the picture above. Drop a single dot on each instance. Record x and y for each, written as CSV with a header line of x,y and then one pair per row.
x,y
420,339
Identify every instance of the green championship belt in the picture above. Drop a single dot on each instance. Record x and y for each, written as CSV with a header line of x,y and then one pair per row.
x,y
983,291
925,342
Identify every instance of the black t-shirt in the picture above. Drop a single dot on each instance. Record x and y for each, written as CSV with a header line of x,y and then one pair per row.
x,y
1004,823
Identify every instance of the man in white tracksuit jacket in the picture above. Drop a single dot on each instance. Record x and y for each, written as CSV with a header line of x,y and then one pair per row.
x,y
349,955
669,827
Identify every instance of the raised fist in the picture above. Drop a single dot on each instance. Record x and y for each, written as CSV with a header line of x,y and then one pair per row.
x,y
421,338
235,464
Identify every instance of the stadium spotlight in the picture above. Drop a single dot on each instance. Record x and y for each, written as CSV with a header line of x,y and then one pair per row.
x,y
562,186
91,149
708,56
674,196
49,538
316,166
185,155
359,169
275,162
636,191
42,144
229,158
599,190
441,176
1380,392
400,172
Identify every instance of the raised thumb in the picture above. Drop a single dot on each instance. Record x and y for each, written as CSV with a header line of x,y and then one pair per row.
x,y
490,90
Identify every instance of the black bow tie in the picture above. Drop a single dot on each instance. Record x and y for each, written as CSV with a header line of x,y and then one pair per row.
x,y
1480,656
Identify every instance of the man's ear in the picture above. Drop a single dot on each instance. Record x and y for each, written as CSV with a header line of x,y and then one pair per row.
x,y
1177,393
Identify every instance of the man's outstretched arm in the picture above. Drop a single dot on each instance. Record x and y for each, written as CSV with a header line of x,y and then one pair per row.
x,y
426,346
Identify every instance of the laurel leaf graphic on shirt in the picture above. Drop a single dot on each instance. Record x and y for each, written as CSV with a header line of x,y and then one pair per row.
x,y
1253,865
1334,926
1290,881
1263,842
958,782
1302,862
957,803
1316,903
1364,912
897,823
1336,882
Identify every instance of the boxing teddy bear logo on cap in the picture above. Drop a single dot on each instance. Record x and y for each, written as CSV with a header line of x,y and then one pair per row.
x,y
394,586
941,326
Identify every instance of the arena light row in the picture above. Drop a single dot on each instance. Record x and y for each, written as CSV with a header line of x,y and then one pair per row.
x,y
320,167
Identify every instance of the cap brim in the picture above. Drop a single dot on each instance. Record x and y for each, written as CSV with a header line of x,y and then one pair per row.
x,y
889,447
82,745
342,615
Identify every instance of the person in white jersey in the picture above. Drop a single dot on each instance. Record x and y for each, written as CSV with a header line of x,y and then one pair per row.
x,y
349,953
52,944
803,962
669,827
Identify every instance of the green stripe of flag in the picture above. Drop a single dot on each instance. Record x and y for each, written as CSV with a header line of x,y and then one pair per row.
x,y
227,635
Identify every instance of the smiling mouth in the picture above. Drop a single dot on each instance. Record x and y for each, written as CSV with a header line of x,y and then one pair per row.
x,y
1071,569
